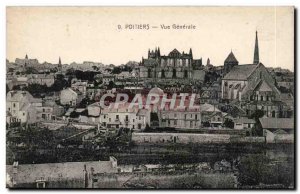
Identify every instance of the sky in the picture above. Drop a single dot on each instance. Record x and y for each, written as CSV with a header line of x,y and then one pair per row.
x,y
78,34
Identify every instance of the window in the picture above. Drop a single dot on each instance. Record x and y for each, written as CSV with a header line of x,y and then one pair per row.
x,y
149,73
14,104
174,73
175,122
196,116
267,98
261,98
185,74
163,73
126,118
175,115
117,117
273,113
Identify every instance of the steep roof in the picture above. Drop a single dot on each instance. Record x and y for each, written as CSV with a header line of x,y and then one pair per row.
x,y
209,108
240,72
231,58
264,87
277,123
174,52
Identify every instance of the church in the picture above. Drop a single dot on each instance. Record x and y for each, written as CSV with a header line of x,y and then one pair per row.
x,y
174,66
248,81
253,85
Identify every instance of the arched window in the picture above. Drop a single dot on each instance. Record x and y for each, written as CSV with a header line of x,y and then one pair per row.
x,y
273,113
174,73
163,73
186,74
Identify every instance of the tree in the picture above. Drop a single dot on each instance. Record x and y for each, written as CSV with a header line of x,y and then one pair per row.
x,y
257,114
257,130
206,124
229,123
111,85
116,70
255,169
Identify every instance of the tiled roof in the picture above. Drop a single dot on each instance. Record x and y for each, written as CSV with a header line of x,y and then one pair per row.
x,y
277,123
240,72
209,108
244,120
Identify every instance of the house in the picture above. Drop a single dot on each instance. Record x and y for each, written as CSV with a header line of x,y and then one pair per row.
x,y
41,79
278,130
22,106
243,123
80,86
180,118
212,115
124,116
49,111
142,119
124,75
70,97
94,109
106,78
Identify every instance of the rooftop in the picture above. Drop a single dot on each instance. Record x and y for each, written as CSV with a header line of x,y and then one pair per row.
x,y
240,72
277,123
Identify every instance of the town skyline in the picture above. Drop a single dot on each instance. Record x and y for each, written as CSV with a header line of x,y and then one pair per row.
x,y
100,41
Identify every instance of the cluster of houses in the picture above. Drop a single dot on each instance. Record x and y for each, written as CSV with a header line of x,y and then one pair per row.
x,y
232,92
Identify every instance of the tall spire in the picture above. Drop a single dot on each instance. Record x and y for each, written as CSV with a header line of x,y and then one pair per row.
x,y
59,61
26,56
256,51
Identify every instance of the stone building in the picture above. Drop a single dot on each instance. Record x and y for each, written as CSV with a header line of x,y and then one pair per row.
x,y
21,107
174,66
70,97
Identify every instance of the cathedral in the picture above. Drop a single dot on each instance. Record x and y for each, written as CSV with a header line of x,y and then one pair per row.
x,y
174,66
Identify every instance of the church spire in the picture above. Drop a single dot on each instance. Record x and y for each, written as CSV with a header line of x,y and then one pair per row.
x,y
256,51
59,61
26,56
191,53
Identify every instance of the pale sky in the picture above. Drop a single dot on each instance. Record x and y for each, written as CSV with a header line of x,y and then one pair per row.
x,y
91,34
